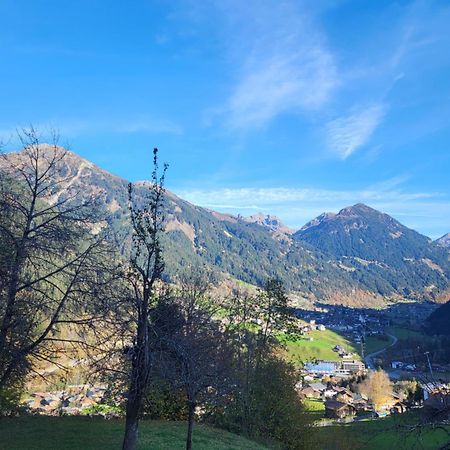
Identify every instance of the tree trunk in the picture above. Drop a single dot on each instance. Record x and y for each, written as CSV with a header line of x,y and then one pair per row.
x,y
140,370
132,421
190,425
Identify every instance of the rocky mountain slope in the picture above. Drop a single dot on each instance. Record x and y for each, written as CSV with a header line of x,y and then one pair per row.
x,y
273,223
444,241
354,257
198,237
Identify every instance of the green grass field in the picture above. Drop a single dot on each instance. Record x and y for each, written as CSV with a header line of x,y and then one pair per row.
x,y
404,333
320,347
84,433
376,343
315,408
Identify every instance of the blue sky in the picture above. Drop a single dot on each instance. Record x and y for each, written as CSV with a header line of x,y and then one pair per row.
x,y
286,107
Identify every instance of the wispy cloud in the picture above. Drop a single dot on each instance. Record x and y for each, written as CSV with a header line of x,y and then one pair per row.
x,y
296,206
68,128
264,197
148,125
347,134
281,62
289,82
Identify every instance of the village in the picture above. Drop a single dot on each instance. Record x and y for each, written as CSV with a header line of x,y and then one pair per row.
x,y
334,384
353,323
341,386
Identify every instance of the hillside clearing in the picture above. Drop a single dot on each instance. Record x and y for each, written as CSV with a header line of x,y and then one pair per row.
x,y
320,347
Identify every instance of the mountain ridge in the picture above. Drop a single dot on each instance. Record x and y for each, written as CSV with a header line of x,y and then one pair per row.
x,y
253,249
394,257
272,222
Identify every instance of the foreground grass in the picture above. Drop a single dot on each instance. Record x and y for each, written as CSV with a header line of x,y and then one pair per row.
x,y
321,347
383,434
84,433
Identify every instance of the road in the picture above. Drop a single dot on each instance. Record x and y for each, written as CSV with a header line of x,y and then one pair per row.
x,y
369,358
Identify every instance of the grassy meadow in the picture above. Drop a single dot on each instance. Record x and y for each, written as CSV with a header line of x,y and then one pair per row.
x,y
376,343
320,347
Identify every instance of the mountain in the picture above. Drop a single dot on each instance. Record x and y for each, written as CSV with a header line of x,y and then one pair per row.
x,y
439,320
196,236
444,241
355,257
379,252
273,223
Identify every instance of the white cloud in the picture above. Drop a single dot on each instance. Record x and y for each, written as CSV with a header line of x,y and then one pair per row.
x,y
68,128
280,61
347,134
283,83
296,206
148,125
264,197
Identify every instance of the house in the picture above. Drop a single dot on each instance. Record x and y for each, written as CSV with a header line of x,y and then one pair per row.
x,y
397,365
342,368
309,392
348,367
399,408
318,387
438,400
344,396
338,410
361,402
431,388
329,393
321,368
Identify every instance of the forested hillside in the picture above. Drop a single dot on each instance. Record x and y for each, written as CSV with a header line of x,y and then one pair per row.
x,y
355,256
379,252
439,320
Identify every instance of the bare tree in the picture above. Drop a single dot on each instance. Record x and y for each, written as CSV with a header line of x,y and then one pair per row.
x,y
195,351
50,255
146,267
205,360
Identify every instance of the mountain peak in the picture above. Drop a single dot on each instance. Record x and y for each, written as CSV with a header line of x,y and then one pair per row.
x,y
358,209
444,241
269,221
324,217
